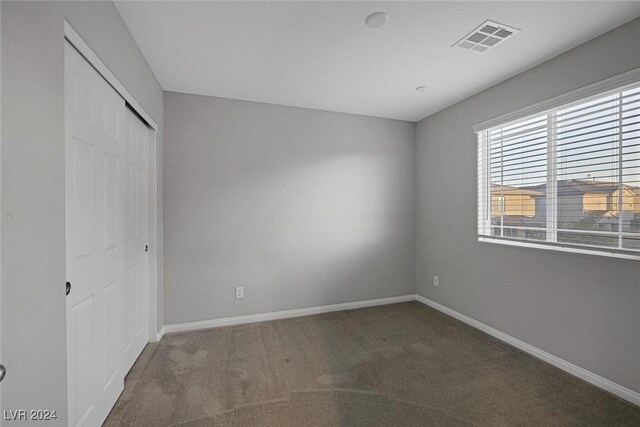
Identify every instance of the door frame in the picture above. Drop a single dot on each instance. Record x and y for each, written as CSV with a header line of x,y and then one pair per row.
x,y
155,179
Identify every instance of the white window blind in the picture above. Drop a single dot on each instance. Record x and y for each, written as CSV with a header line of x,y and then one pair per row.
x,y
569,176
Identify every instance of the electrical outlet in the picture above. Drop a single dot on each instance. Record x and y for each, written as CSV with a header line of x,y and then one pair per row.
x,y
239,292
436,281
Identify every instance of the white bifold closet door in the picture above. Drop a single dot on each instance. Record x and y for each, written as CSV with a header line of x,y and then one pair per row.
x,y
94,126
106,230
136,178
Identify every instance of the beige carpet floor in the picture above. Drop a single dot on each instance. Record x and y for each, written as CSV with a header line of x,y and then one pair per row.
x,y
396,365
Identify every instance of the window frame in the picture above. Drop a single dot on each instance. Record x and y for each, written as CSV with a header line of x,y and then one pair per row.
x,y
549,107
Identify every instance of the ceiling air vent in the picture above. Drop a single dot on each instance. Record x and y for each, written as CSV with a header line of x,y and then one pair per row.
x,y
486,36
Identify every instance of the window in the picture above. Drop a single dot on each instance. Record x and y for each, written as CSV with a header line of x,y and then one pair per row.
x,y
568,176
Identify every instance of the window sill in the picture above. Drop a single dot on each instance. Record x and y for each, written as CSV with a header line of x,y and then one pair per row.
x,y
561,248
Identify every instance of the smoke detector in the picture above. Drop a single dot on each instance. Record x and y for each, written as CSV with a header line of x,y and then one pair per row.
x,y
486,36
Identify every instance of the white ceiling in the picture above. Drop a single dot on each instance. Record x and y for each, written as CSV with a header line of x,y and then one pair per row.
x,y
322,55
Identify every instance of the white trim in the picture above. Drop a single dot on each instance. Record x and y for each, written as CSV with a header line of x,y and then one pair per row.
x,y
261,317
158,335
629,77
555,247
155,178
588,376
154,264
84,49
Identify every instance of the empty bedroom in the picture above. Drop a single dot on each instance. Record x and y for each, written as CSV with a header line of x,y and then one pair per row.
x,y
319,213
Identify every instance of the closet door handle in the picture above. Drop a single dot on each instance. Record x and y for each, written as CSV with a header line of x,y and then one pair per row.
x,y
3,372
68,288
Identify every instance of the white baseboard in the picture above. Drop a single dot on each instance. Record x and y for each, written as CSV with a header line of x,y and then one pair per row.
x,y
159,334
588,376
261,317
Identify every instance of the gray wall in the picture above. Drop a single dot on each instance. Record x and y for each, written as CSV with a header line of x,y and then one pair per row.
x,y
584,309
33,236
301,207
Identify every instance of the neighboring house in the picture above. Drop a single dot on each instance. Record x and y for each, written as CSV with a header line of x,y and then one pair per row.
x,y
513,201
591,204
519,207
600,196
582,204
